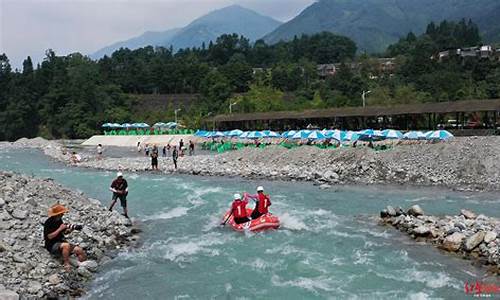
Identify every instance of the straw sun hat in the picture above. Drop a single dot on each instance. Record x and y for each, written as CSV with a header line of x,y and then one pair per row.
x,y
57,209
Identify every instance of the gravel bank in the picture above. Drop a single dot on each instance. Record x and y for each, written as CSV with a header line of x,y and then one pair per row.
x,y
468,235
26,268
464,163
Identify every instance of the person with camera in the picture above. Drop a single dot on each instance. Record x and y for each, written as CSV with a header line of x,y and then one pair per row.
x,y
54,230
119,187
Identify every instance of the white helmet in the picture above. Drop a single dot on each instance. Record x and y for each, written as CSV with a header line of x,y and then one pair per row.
x,y
260,189
237,197
119,174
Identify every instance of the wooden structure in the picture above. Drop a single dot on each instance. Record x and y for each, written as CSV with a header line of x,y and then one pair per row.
x,y
405,117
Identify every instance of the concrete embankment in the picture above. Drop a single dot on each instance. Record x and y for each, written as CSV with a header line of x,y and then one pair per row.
x,y
131,140
468,235
27,270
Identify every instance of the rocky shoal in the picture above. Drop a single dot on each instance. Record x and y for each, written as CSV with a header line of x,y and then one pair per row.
x,y
468,235
464,163
27,271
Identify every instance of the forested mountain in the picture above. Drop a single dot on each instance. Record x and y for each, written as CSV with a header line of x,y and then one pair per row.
x,y
231,19
375,24
72,96
148,38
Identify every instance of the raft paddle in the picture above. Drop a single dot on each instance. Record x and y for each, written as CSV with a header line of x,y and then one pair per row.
x,y
224,224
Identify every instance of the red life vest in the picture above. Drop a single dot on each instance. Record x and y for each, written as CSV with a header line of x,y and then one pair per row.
x,y
264,203
239,209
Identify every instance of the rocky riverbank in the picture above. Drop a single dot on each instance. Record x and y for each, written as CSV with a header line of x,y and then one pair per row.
x,y
467,235
26,268
464,163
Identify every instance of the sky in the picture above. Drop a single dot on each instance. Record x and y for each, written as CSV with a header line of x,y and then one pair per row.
x,y
29,27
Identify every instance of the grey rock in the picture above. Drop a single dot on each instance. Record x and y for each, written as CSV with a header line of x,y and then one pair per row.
x,y
384,213
91,265
18,258
19,214
55,279
422,231
34,287
399,211
468,214
490,236
453,242
84,272
2,202
8,295
415,210
460,226
391,211
474,240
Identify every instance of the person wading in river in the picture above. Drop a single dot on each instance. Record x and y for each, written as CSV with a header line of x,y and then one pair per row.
x,y
262,203
175,156
53,233
119,187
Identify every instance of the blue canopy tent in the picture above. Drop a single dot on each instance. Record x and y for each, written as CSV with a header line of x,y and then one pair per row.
x,y
439,135
392,134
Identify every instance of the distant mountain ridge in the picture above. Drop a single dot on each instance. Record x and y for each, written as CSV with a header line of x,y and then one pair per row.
x,y
375,24
231,19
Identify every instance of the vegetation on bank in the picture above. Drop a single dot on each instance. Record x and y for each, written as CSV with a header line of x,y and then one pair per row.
x,y
71,96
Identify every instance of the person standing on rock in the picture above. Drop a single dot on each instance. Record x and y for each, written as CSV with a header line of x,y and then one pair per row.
x,y
262,203
181,148
175,156
119,187
191,148
154,158
164,151
99,151
53,233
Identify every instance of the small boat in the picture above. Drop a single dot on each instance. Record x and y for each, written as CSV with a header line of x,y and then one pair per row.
x,y
264,222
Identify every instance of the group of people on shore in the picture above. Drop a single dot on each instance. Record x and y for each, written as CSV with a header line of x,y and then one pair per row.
x,y
168,150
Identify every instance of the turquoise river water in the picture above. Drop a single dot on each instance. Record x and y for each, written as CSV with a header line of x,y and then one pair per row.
x,y
329,245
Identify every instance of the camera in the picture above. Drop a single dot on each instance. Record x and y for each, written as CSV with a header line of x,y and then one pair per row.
x,y
75,227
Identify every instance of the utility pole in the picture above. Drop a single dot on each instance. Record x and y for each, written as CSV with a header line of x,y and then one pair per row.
x,y
231,106
363,96
175,111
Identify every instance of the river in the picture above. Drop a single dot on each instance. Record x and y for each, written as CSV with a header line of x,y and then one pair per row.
x,y
329,246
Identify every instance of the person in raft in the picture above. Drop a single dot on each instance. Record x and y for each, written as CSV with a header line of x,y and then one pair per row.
x,y
239,209
53,233
119,187
262,203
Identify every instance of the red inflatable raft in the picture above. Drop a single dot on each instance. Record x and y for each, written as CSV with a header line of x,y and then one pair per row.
x,y
264,222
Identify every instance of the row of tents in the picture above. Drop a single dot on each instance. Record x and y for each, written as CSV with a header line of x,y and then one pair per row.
x,y
170,125
339,135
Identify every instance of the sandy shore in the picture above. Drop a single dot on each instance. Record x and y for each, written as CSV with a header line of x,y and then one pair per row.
x,y
464,163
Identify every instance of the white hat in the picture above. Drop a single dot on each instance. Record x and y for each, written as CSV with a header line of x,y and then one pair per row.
x,y
260,189
237,196
119,174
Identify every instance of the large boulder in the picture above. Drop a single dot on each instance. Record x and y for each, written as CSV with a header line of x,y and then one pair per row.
x,y
415,211
8,295
391,211
453,241
422,231
474,240
490,236
468,214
